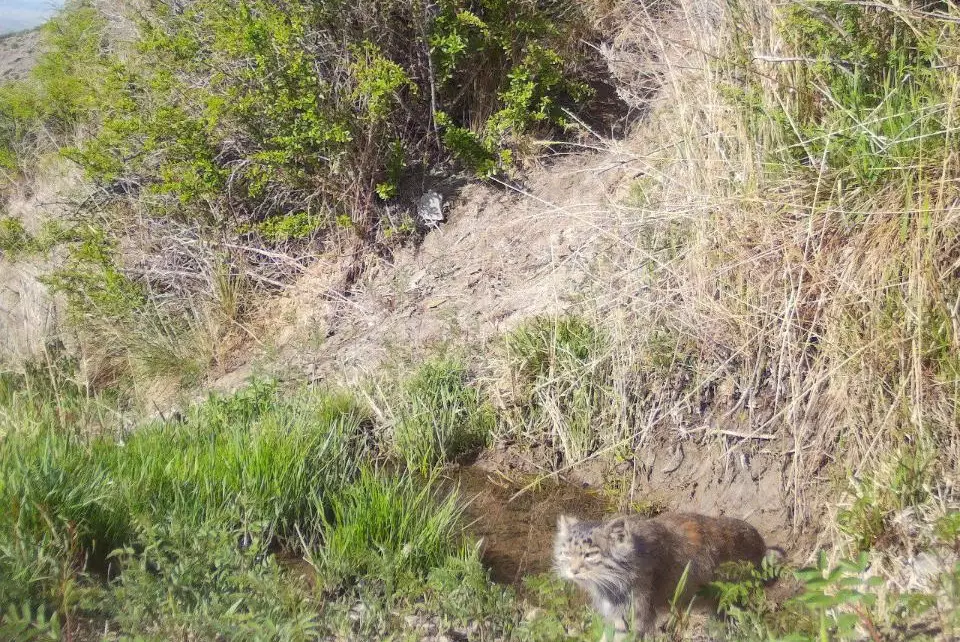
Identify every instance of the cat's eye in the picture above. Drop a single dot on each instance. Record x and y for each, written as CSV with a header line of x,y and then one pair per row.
x,y
592,556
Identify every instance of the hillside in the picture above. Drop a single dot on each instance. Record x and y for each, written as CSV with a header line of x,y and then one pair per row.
x,y
694,255
18,54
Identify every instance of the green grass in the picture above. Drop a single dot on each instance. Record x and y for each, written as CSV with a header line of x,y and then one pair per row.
x,y
182,580
903,482
394,528
255,458
439,415
561,373
869,100
253,462
237,479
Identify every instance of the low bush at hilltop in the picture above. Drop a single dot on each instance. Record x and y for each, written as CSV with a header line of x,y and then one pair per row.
x,y
225,142
236,113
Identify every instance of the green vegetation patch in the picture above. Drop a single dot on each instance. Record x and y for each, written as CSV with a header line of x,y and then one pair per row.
x,y
439,415
68,87
263,110
562,374
865,93
198,515
878,92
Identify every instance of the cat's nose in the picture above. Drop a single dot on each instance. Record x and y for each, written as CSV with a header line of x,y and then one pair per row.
x,y
575,568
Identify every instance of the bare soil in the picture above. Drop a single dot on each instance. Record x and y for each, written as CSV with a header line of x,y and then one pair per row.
x,y
501,257
18,54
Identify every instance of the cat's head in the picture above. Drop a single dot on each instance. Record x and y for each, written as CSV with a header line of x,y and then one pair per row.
x,y
593,553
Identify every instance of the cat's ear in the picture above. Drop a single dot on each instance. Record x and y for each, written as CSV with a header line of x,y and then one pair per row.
x,y
617,529
564,522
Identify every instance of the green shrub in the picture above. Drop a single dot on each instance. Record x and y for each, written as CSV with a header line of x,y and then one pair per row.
x,y
93,283
67,88
16,242
250,123
262,109
73,72
286,227
19,115
135,334
845,601
523,58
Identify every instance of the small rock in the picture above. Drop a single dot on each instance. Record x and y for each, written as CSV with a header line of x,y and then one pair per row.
x,y
430,209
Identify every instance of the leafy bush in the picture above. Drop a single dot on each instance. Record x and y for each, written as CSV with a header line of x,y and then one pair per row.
x,y
252,123
19,114
93,283
260,109
16,242
66,88
14,238
842,601
130,330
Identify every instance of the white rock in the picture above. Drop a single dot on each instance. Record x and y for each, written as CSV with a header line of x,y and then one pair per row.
x,y
430,208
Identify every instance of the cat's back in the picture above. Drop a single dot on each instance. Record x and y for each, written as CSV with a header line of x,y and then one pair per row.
x,y
719,538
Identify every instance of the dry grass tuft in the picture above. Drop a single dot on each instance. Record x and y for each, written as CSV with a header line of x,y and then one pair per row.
x,y
769,304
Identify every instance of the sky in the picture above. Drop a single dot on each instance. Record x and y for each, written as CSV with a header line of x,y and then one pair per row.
x,y
23,14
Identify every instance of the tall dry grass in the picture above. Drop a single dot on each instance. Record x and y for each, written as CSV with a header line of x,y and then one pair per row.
x,y
765,302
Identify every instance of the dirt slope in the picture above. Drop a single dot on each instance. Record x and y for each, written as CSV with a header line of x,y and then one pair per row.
x,y
502,256
18,54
